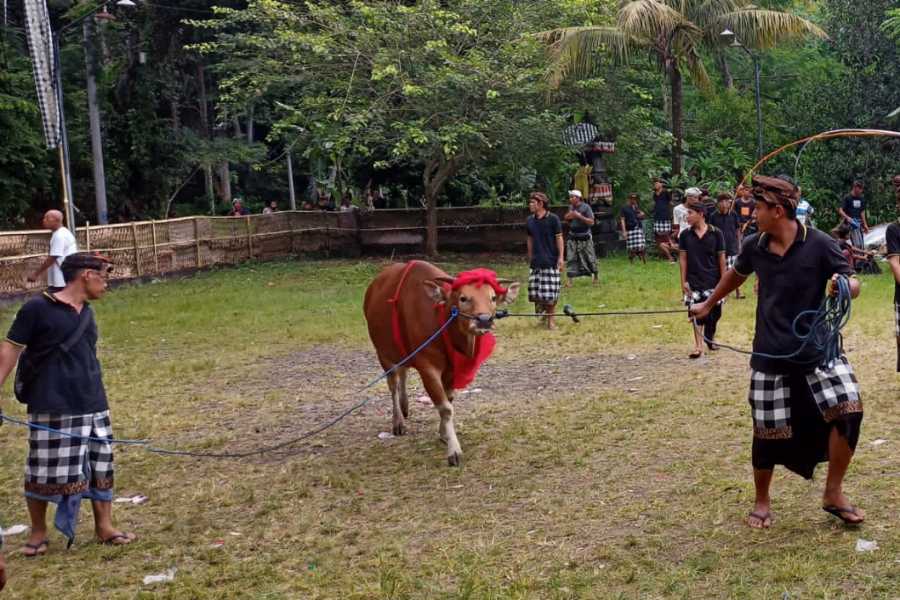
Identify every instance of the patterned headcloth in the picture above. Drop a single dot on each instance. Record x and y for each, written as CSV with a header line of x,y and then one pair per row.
x,y
478,277
774,190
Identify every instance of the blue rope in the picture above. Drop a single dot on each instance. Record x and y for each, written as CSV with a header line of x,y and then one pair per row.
x,y
454,313
822,333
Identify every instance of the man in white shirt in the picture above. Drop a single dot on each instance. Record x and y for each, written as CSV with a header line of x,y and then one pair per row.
x,y
679,213
62,244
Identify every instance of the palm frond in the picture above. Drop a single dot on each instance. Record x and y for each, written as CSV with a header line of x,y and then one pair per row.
x,y
694,63
703,12
576,51
648,19
760,28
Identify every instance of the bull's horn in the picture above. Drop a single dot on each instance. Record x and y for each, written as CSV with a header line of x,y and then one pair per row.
x,y
505,282
445,279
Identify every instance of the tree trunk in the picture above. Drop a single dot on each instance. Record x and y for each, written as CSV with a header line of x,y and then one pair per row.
x,y
208,184
90,59
250,125
677,85
436,174
725,71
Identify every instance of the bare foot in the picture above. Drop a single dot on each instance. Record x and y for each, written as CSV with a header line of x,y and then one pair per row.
x,y
760,517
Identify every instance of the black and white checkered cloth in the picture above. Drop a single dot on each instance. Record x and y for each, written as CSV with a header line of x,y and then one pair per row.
x,y
730,260
40,47
634,240
662,227
63,465
835,391
543,286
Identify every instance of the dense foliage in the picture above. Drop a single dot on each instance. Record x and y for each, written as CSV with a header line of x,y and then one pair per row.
x,y
439,102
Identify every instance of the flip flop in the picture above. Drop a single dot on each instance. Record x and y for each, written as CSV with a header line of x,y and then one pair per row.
x,y
763,517
45,544
694,355
113,540
839,512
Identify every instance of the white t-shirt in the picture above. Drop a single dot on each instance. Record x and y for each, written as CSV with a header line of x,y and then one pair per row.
x,y
62,244
679,215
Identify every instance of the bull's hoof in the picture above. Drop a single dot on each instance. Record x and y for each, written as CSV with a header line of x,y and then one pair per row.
x,y
399,429
454,460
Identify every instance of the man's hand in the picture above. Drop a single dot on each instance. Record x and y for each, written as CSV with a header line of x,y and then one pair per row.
x,y
686,288
701,310
569,216
560,264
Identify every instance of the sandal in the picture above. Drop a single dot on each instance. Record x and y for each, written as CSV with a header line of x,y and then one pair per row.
x,y
119,539
36,548
839,512
763,517
695,354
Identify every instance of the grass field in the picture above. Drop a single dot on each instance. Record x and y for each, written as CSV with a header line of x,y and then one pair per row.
x,y
599,462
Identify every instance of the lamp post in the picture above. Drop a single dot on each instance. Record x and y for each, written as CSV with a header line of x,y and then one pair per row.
x,y
65,165
731,39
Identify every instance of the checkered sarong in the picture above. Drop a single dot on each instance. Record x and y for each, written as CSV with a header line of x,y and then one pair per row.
x,y
543,285
61,465
835,391
662,227
634,240
730,260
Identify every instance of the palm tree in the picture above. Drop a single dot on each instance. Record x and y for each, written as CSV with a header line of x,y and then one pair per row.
x,y
674,32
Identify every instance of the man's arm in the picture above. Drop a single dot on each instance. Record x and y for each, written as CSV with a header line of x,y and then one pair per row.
x,y
48,262
865,222
894,261
844,215
722,267
682,263
731,281
622,226
585,220
529,248
9,355
561,250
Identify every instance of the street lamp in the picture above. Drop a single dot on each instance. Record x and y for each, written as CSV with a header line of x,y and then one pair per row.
x,y
65,165
731,39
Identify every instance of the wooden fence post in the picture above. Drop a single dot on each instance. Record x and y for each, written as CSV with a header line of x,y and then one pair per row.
x,y
249,238
87,235
155,249
197,239
137,252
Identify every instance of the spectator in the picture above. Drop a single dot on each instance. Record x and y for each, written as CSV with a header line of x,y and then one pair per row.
x,y
582,260
326,202
632,227
726,221
892,237
545,256
853,212
679,213
64,390
62,244
858,258
346,203
307,205
662,219
702,252
271,207
805,210
379,202
238,209
743,208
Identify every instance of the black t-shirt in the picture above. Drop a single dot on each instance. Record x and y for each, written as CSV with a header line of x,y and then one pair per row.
x,y
703,271
788,285
629,213
662,209
892,237
68,383
543,232
743,208
854,207
728,225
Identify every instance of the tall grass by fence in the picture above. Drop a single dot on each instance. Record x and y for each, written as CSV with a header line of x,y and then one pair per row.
x,y
158,247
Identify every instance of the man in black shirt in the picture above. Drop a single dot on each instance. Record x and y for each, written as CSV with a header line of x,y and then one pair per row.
x,y
545,256
631,222
853,211
725,220
804,412
662,218
701,248
892,237
63,388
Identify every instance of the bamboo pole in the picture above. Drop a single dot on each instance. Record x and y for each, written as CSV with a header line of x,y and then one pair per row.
x,y
197,239
87,235
155,247
137,252
249,238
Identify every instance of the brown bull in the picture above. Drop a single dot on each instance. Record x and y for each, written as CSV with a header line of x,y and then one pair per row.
x,y
407,303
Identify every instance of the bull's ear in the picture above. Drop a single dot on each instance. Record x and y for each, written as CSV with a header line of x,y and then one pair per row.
x,y
435,290
512,292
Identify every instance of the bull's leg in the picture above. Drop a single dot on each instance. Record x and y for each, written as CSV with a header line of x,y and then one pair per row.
x,y
397,415
441,400
404,398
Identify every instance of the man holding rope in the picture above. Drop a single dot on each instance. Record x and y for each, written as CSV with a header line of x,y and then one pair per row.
x,y
803,413
59,379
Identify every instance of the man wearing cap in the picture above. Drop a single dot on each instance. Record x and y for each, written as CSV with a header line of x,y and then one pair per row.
x,y
662,218
581,260
804,412
631,222
545,256
62,244
701,250
54,338
853,211
892,237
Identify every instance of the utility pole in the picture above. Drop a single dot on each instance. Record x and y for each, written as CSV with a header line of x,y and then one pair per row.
x,y
90,59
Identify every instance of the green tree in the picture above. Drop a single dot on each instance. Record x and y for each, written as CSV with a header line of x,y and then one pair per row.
x,y
675,34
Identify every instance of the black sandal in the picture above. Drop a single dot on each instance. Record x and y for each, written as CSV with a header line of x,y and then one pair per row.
x,y
111,540
45,544
839,512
